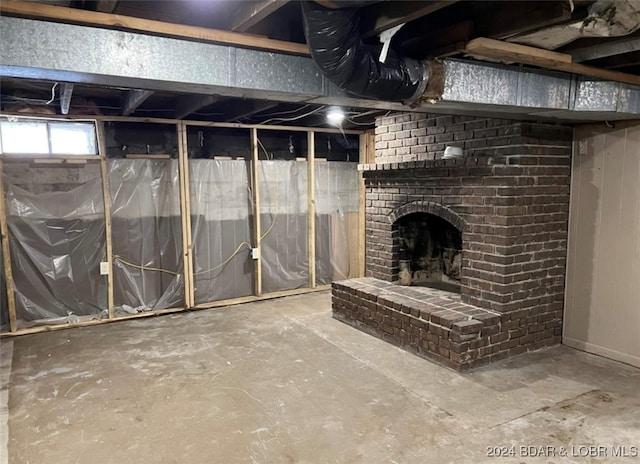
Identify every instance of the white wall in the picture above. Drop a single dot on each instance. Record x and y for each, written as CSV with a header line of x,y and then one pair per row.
x,y
602,310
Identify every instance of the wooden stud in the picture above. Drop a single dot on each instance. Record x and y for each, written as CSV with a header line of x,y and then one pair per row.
x,y
147,26
255,188
367,155
185,214
106,193
311,161
6,256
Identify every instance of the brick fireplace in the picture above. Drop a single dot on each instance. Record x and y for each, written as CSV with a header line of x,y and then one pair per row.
x,y
478,243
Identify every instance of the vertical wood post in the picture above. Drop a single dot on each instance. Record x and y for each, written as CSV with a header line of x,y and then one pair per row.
x,y
106,195
311,160
6,256
255,188
185,214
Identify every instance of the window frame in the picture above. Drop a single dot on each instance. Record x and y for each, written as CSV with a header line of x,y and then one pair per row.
x,y
94,143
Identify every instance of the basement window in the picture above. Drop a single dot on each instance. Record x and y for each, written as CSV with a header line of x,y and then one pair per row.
x,y
29,137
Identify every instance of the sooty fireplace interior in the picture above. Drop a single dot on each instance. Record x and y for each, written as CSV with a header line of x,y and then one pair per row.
x,y
430,252
489,228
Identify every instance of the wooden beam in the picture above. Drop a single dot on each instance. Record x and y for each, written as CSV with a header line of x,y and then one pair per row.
x,y
521,17
604,50
185,215
311,197
435,41
367,156
515,53
65,99
146,26
106,194
107,6
248,14
6,257
133,99
191,103
385,15
255,188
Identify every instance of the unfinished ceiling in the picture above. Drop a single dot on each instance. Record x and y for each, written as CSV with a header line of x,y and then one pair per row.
x,y
599,39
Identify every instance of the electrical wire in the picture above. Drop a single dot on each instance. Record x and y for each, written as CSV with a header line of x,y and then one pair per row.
x,y
222,264
279,113
144,268
360,123
295,118
265,150
53,93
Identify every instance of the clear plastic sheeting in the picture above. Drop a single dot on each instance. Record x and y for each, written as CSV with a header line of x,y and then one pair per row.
x,y
221,223
336,199
146,232
57,240
284,223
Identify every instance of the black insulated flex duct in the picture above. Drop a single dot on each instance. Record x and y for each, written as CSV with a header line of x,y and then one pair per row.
x,y
334,39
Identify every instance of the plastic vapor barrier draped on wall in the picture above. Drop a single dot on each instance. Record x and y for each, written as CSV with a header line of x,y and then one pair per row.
x,y
57,240
221,223
146,232
284,222
336,195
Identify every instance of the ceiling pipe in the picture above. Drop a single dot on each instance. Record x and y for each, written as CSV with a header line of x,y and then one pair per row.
x,y
334,40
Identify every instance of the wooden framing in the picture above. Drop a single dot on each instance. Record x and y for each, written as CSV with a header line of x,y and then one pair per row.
x,y
311,188
6,257
159,312
185,205
510,52
147,26
228,125
185,209
255,189
367,155
106,193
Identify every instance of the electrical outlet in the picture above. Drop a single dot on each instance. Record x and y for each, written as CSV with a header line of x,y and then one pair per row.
x,y
104,268
255,253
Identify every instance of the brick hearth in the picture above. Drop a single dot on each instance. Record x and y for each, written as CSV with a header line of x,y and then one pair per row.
x,y
509,198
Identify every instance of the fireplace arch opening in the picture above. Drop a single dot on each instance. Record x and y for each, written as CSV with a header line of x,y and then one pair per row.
x,y
429,252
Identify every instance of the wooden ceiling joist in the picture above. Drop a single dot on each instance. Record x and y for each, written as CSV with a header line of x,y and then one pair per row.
x,y
133,99
244,111
190,104
120,22
607,49
385,15
522,17
249,14
107,6
497,50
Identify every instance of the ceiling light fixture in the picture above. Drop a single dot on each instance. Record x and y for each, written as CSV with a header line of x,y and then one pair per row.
x,y
335,116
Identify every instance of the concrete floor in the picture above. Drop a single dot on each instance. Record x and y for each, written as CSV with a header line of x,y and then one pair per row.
x,y
281,381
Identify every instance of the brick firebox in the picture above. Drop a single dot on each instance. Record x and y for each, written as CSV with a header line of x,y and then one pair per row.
x,y
509,198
